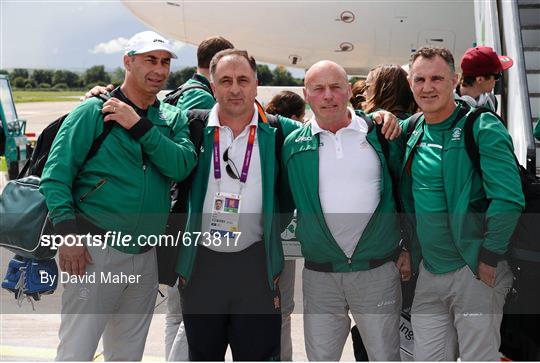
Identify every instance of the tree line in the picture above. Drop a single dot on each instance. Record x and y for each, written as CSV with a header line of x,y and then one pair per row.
x,y
46,79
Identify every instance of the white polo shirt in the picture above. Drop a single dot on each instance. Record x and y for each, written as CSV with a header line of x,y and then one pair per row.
x,y
251,221
349,180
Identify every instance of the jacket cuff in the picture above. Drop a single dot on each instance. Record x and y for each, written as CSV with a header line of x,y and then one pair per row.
x,y
66,227
489,258
140,128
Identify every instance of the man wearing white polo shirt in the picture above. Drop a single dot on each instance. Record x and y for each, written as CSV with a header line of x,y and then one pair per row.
x,y
347,224
229,283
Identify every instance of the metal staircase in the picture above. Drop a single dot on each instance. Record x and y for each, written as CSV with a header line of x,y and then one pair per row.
x,y
529,15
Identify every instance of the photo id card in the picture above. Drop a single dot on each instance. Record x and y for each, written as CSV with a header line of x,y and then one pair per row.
x,y
225,214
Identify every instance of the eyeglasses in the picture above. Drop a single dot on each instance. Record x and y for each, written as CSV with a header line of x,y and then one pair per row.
x,y
230,168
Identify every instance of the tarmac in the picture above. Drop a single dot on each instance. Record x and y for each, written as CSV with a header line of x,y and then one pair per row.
x,y
28,335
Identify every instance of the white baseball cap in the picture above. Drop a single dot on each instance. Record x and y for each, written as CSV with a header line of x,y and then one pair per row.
x,y
148,41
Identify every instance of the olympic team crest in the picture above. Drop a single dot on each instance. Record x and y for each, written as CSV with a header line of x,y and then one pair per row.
x,y
456,134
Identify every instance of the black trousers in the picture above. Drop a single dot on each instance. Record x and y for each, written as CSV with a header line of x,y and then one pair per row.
x,y
228,302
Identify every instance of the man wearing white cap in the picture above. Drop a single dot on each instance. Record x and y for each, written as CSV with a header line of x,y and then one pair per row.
x,y
110,289
481,69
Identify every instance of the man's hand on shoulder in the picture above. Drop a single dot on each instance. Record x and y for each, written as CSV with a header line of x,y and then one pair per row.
x,y
73,259
96,91
390,128
120,112
487,274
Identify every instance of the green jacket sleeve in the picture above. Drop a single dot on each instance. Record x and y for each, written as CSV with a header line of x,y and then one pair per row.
x,y
286,203
196,99
68,152
396,155
501,182
174,157
396,149
407,217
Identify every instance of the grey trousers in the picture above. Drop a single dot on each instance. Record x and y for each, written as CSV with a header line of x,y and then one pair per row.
x,y
455,315
119,311
176,346
374,299
286,287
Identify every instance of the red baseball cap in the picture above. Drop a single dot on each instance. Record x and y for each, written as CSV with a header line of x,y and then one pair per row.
x,y
483,60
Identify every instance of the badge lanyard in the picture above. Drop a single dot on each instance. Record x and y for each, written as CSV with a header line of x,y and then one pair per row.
x,y
247,156
227,218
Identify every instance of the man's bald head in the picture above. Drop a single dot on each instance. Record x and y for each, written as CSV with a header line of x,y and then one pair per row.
x,y
325,66
328,91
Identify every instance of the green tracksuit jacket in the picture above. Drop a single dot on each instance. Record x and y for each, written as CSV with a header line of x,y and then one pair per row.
x,y
381,236
482,209
266,135
125,186
197,98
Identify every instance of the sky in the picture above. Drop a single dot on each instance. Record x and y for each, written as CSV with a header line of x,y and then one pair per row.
x,y
74,35
71,35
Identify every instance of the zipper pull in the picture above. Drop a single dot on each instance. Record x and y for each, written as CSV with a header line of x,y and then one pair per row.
x,y
144,167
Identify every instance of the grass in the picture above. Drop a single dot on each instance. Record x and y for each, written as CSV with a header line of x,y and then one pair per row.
x,y
46,96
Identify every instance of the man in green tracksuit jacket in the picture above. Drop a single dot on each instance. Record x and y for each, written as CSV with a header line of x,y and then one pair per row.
x,y
463,219
346,222
124,188
231,255
196,93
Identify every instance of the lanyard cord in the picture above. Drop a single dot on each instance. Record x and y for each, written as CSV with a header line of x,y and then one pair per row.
x,y
249,148
247,155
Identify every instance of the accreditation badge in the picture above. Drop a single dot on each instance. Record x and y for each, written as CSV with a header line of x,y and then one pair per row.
x,y
225,214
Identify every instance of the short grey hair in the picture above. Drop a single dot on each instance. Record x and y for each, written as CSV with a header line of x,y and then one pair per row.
x,y
432,52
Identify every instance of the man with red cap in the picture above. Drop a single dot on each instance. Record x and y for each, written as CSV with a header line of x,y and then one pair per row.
x,y
481,68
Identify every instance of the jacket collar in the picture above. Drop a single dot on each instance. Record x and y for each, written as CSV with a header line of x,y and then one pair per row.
x,y
356,124
203,80
462,109
256,120
117,92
